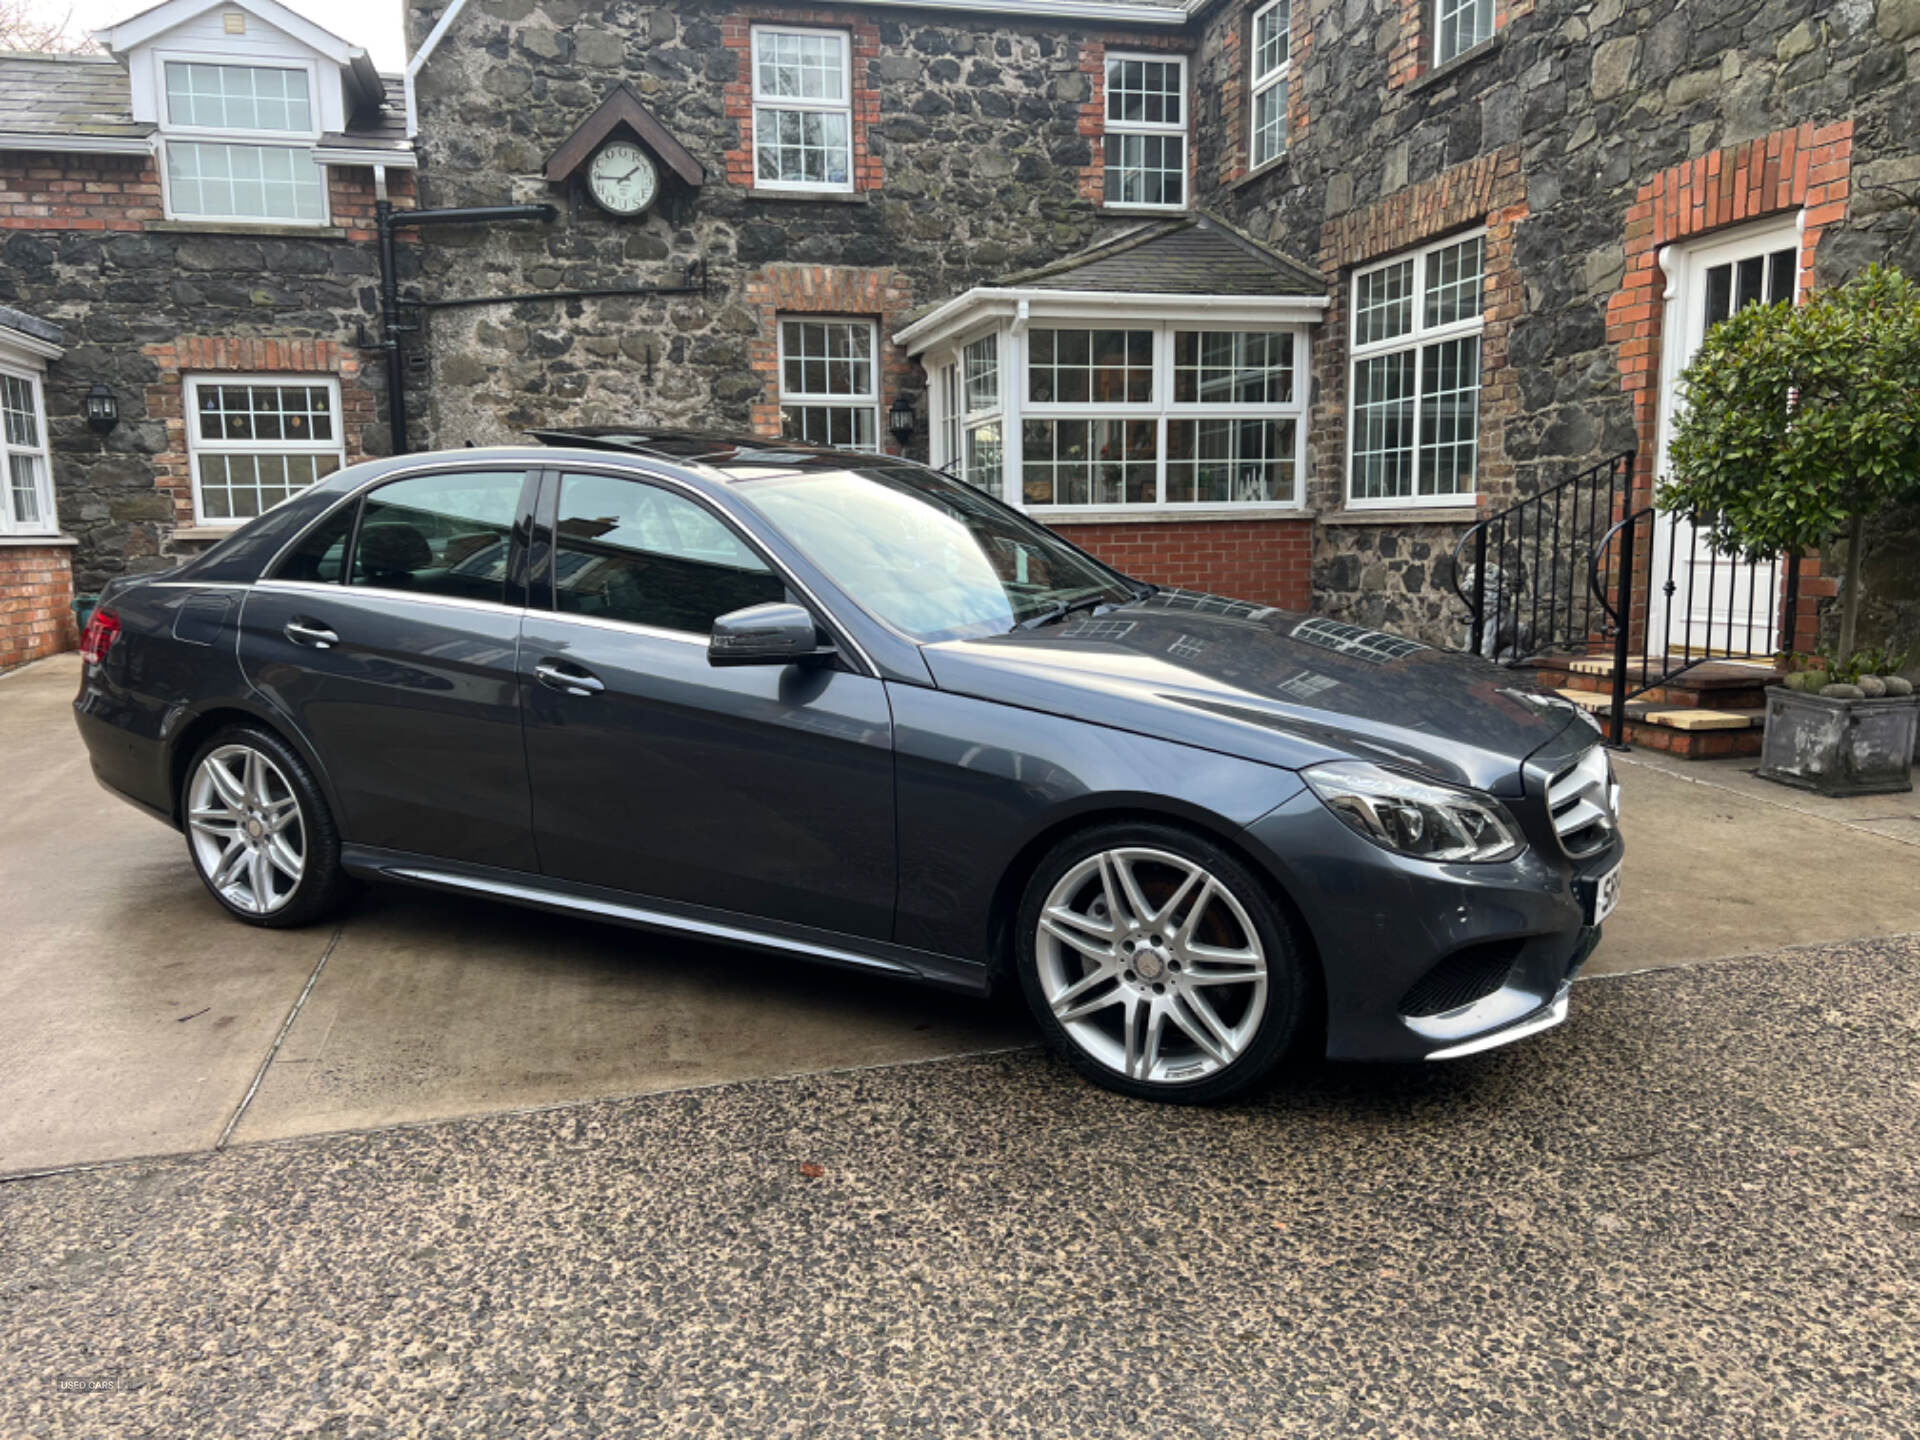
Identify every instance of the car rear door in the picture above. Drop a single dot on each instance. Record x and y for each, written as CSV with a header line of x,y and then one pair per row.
x,y
399,669
762,790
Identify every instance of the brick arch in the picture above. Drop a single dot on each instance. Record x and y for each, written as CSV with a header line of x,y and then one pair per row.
x,y
885,295
1805,168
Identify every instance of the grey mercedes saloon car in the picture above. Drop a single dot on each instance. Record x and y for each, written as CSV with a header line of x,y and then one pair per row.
x,y
847,709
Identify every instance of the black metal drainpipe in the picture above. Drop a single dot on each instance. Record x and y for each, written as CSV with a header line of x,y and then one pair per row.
x,y
387,220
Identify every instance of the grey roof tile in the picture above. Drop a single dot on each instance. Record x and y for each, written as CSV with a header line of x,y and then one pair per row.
x,y
11,319
66,95
1194,254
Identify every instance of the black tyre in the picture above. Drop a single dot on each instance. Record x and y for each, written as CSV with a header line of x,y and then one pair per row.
x,y
1158,965
259,831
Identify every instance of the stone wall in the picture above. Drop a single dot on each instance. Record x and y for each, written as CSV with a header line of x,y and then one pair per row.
x,y
83,244
974,163
1595,100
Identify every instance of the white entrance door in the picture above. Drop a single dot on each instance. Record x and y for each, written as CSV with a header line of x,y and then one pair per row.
x,y
1717,604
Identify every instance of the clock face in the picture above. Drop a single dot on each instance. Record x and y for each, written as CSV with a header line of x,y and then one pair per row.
x,y
621,178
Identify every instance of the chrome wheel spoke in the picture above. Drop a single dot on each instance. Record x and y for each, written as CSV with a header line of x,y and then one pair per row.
x,y
1209,1034
1124,976
245,829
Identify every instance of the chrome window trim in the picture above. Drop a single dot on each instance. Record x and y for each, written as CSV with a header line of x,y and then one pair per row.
x,y
624,627
321,587
640,915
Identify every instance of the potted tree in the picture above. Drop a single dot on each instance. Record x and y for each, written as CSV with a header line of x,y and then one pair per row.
x,y
1798,424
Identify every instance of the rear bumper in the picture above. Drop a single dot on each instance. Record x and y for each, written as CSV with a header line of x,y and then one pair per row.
x,y
1383,922
129,764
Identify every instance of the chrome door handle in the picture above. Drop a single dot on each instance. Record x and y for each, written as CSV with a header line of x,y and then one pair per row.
x,y
307,632
567,679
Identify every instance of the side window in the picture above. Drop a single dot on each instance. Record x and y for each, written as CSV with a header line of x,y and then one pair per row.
x,y
629,551
321,554
439,534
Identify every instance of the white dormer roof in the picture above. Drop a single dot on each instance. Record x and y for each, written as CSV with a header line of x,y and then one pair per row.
x,y
152,23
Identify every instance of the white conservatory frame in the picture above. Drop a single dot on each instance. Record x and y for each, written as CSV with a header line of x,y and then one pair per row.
x,y
940,338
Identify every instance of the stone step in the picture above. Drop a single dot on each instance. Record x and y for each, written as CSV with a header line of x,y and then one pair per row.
x,y
1688,733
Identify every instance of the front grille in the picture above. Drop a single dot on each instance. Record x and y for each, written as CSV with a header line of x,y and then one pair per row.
x,y
1581,800
1462,978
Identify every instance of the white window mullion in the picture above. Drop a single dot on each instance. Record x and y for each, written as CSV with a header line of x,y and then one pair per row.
x,y
1270,61
829,381
244,459
1146,131
802,109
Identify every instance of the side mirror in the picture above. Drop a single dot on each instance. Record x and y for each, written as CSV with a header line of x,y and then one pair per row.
x,y
778,634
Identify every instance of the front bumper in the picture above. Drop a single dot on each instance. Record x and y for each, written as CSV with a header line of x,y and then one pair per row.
x,y
1385,925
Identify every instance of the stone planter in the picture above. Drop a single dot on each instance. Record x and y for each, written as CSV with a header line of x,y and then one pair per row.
x,y
1839,747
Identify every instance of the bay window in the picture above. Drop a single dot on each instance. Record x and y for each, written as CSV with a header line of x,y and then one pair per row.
x,y
1414,409
1127,415
1271,55
26,474
255,440
1146,133
239,143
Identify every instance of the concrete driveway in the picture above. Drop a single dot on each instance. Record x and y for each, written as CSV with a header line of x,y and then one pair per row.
x,y
136,1019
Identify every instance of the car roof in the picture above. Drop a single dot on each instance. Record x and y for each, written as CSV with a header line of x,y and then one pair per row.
x,y
729,455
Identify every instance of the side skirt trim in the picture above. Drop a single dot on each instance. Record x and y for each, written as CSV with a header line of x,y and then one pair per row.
x,y
939,970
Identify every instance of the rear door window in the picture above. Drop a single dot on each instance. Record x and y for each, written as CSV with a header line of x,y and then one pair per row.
x,y
321,555
447,534
626,550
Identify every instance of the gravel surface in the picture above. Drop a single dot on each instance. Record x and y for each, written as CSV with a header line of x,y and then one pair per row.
x,y
1692,1211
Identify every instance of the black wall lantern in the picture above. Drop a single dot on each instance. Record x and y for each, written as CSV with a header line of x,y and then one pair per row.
x,y
902,418
103,411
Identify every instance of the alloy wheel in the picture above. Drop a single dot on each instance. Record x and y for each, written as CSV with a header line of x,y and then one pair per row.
x,y
248,835
1151,965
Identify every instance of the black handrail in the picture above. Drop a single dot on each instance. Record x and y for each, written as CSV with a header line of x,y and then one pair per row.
x,y
1536,547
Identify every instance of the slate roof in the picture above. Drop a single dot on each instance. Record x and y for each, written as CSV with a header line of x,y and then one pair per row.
x,y
90,95
1194,254
11,319
66,95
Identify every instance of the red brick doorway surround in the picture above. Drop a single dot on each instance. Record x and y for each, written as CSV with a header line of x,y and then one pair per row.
x,y
1805,168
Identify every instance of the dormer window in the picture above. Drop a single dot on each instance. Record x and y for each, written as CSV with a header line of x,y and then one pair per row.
x,y
227,128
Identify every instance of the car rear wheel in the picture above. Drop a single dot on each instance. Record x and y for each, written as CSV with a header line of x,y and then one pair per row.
x,y
259,831
1157,965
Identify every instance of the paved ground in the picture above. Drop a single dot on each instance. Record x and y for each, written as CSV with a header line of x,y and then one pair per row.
x,y
135,1018
1693,1211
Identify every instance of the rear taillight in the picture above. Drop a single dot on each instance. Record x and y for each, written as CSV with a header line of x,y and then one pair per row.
x,y
103,628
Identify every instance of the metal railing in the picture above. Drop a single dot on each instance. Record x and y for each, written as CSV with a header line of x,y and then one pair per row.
x,y
1571,571
1738,612
1524,571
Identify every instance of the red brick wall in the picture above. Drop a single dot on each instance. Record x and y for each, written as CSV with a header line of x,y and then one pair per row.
x,y
737,35
36,603
883,295
122,192
1268,561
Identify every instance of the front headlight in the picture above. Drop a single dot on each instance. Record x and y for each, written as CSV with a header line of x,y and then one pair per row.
x,y
1421,818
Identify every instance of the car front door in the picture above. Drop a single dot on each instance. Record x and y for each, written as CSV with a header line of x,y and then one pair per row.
x,y
764,790
398,664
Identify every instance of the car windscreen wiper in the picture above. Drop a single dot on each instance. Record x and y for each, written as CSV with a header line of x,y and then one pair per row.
x,y
1060,609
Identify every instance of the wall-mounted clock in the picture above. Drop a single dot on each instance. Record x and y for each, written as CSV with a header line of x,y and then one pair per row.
x,y
622,178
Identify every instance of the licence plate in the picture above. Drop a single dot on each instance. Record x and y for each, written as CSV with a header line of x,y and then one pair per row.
x,y
1606,895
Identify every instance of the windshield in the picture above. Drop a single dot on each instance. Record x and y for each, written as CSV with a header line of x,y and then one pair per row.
x,y
928,555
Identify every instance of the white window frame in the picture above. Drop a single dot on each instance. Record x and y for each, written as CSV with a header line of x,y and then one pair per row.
x,y
1110,126
843,106
1416,340
1493,26
1016,409
1261,84
254,139
197,447
49,522
871,400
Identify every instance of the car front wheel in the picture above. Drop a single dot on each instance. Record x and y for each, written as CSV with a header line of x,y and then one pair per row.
x,y
1157,965
259,831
